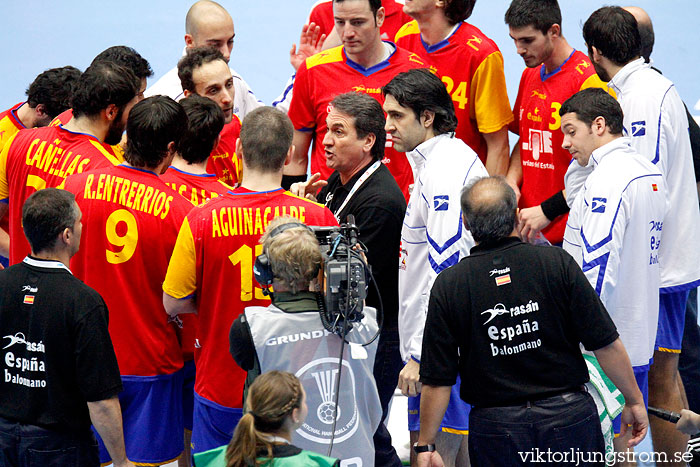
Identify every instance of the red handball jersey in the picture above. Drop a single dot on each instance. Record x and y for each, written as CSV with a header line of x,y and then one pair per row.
x,y
538,123
213,261
10,124
471,66
40,158
198,189
223,160
394,17
130,222
329,73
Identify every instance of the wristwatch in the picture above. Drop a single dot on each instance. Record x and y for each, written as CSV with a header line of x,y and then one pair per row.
x,y
423,448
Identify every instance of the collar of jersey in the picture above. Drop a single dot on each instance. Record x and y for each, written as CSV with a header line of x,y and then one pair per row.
x,y
545,76
45,263
374,68
249,192
191,174
15,117
78,133
424,149
131,167
446,41
618,81
615,145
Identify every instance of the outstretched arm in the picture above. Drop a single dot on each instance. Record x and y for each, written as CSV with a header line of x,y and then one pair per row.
x,y
310,43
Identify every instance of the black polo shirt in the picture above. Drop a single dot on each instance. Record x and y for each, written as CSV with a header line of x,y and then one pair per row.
x,y
509,319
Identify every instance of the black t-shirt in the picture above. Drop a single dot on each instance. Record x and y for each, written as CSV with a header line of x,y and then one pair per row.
x,y
509,319
379,208
56,351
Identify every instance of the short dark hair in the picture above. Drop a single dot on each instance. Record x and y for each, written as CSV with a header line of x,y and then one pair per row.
x,y
152,124
374,5
205,120
126,57
646,37
421,90
266,136
592,103
54,89
193,59
45,214
489,206
368,115
613,31
102,84
540,14
457,11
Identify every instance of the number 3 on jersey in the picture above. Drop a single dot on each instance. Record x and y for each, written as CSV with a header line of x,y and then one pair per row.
x,y
244,257
460,94
122,232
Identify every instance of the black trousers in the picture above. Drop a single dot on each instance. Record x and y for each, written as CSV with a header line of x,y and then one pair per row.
x,y
539,432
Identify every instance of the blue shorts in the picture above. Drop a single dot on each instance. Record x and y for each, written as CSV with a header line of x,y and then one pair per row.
x,y
188,393
641,374
212,424
5,262
152,414
669,334
456,419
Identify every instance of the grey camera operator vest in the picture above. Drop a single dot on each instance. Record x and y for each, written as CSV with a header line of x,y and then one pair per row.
x,y
298,343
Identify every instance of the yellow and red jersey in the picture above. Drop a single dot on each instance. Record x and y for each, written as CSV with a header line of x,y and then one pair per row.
x,y
329,73
394,17
213,262
38,158
223,160
130,222
10,124
471,66
198,189
537,121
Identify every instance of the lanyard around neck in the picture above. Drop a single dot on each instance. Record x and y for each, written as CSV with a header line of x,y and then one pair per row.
x,y
373,168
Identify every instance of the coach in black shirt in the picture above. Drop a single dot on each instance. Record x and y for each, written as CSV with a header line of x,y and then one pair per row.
x,y
362,186
60,373
509,319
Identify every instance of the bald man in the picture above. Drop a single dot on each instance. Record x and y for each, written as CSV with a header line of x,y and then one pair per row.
x,y
208,23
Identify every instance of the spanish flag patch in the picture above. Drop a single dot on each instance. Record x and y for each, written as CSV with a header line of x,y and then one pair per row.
x,y
503,280
654,187
29,299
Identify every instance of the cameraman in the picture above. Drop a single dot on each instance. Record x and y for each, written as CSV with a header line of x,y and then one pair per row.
x,y
289,335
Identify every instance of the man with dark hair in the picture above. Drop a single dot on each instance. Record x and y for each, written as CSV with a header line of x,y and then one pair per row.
x,y
204,72
61,374
471,66
421,121
509,319
617,215
188,173
555,71
208,24
123,56
47,96
131,222
362,185
102,99
364,63
655,120
215,251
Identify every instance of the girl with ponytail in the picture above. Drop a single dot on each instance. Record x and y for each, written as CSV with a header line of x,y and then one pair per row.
x,y
276,407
